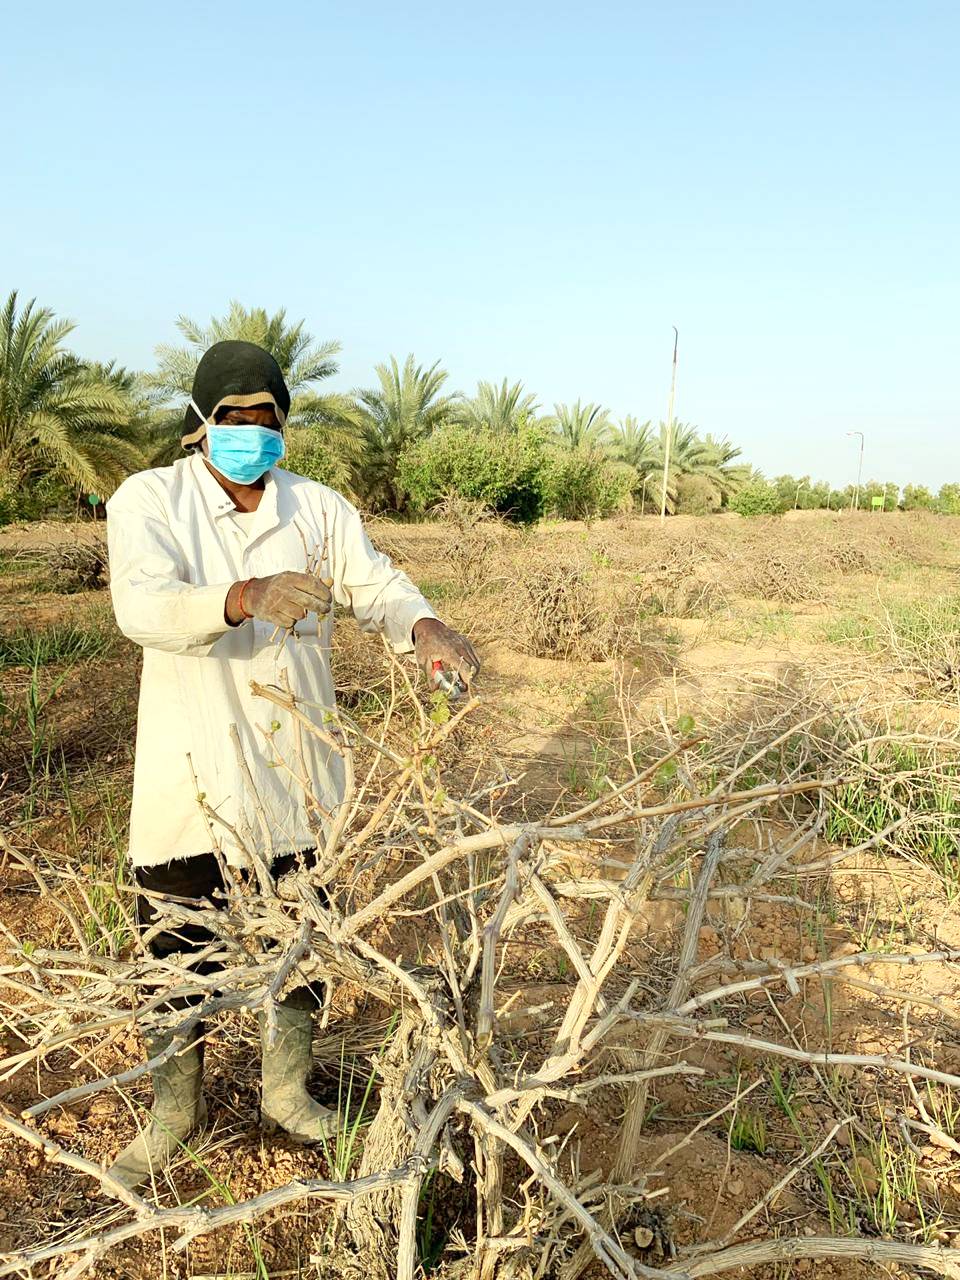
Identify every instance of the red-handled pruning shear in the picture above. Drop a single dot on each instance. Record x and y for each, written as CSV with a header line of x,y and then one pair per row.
x,y
451,683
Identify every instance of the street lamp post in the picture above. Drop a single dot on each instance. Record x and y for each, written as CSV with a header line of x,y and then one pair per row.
x,y
669,443
855,505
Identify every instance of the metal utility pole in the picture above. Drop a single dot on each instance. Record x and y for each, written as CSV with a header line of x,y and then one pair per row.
x,y
669,444
855,505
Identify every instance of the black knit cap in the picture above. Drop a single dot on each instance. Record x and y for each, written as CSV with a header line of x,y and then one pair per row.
x,y
238,374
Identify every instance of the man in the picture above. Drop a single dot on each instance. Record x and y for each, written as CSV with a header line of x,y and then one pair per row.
x,y
207,561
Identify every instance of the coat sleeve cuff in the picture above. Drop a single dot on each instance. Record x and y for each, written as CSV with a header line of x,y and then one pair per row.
x,y
402,622
203,612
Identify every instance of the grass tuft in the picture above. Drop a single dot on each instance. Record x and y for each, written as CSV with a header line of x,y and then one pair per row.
x,y
749,1132
903,783
60,642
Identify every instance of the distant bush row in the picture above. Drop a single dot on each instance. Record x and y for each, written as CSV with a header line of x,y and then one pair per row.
x,y
759,496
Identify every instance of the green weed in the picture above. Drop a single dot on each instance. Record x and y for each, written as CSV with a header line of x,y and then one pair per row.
x,y
922,636
39,761
885,1180
765,624
441,592
61,642
217,1185
223,1189
943,1106
857,631
430,1240
902,782
783,1089
587,778
99,829
920,629
872,932
367,706
343,1146
107,928
749,1132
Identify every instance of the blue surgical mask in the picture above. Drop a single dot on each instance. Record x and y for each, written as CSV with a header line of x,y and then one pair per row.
x,y
243,453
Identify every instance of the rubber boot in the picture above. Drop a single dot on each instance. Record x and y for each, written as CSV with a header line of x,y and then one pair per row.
x,y
285,1103
178,1109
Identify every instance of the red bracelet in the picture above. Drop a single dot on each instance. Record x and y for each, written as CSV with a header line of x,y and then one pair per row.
x,y
240,604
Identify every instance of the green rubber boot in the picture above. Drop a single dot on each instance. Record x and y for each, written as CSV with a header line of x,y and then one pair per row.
x,y
285,1103
178,1109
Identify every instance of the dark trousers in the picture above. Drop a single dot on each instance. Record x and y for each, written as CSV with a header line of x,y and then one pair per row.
x,y
200,878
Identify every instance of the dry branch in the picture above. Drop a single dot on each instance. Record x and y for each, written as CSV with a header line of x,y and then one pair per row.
x,y
454,1099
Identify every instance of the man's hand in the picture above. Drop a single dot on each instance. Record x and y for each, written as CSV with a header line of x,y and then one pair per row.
x,y
436,642
282,599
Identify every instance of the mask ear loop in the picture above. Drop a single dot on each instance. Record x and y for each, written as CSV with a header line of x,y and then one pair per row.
x,y
204,420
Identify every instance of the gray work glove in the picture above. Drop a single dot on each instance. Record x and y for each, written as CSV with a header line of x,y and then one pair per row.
x,y
285,598
436,642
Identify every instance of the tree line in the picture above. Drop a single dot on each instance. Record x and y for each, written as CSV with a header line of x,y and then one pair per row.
x,y
72,428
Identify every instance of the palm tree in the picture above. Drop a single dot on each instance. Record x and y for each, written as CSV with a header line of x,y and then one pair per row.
x,y
581,426
302,360
404,408
632,442
59,418
129,383
689,455
718,465
332,424
493,408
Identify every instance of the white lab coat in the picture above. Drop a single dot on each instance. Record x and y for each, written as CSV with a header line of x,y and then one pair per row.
x,y
174,551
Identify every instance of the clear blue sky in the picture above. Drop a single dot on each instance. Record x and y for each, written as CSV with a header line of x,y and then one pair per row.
x,y
536,191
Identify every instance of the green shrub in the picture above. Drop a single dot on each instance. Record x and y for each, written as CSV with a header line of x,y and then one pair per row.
x,y
34,500
502,470
309,455
801,492
696,496
521,474
582,484
757,498
917,497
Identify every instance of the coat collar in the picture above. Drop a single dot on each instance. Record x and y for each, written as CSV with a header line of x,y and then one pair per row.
x,y
220,504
